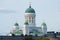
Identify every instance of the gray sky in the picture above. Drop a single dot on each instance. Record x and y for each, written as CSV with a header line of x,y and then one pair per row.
x,y
13,10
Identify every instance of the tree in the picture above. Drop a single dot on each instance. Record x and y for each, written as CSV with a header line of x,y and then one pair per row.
x,y
45,39
38,38
27,38
41,38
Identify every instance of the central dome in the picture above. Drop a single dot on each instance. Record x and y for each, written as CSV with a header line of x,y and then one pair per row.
x,y
30,10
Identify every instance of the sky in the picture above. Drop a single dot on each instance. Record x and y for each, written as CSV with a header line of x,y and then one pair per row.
x,y
47,11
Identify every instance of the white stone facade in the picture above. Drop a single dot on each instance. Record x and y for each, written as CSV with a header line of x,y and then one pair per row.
x,y
30,27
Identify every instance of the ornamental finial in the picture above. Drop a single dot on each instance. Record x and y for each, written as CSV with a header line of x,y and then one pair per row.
x,y
29,4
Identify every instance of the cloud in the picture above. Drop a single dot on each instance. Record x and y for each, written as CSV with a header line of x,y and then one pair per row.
x,y
7,11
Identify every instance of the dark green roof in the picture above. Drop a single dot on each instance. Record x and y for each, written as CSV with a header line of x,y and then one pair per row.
x,y
16,24
44,24
26,23
30,10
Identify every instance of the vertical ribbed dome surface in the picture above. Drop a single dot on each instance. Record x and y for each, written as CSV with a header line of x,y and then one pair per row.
x,y
30,10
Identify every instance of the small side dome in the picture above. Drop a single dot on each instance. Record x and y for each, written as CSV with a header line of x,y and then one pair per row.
x,y
16,24
26,23
44,24
30,10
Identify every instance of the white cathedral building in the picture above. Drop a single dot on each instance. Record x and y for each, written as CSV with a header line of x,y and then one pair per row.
x,y
29,27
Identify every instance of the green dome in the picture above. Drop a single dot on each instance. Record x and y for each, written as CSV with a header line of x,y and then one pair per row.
x,y
26,23
16,24
44,24
30,10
